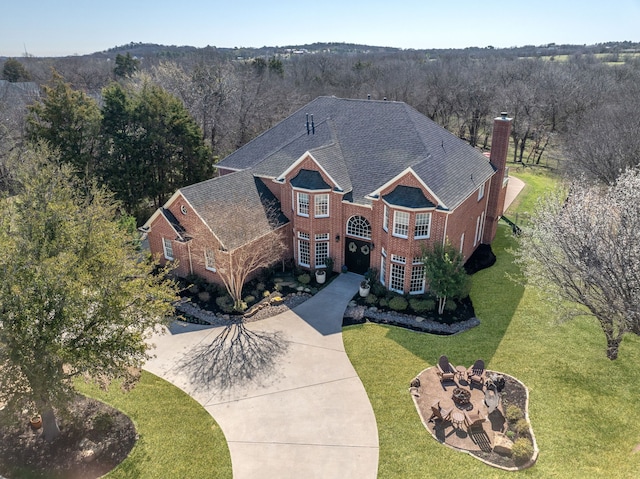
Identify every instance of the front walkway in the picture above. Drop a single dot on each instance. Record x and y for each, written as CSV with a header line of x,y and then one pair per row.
x,y
308,415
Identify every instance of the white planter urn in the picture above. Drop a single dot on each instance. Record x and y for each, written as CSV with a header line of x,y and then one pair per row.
x,y
321,276
364,289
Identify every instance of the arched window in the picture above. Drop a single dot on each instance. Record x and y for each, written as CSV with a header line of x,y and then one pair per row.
x,y
359,226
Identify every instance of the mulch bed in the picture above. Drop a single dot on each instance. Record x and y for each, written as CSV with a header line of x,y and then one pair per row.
x,y
89,425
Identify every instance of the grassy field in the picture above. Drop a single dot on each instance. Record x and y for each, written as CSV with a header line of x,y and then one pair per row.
x,y
583,407
178,438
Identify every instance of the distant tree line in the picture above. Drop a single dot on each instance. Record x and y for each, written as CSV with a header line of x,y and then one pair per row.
x,y
559,108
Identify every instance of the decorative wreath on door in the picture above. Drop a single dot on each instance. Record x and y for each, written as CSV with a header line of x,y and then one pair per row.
x,y
352,247
365,249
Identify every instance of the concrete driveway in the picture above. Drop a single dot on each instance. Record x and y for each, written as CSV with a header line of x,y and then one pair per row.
x,y
302,411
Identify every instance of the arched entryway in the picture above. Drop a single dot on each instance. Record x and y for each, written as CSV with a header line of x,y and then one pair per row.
x,y
357,251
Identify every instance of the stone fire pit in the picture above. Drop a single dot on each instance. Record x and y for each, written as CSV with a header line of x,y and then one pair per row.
x,y
461,396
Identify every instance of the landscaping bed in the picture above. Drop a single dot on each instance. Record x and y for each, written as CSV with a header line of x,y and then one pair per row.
x,y
94,438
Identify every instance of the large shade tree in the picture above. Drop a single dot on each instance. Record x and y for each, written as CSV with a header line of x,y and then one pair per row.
x,y
77,297
583,253
151,145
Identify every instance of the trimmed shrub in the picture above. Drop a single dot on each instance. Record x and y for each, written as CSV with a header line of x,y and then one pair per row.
x,y
511,434
250,299
522,449
371,299
450,305
514,413
225,303
378,289
398,303
383,303
204,296
521,427
266,293
304,278
260,287
422,305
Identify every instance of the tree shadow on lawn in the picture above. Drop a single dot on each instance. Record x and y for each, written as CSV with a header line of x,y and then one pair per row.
x,y
234,356
495,299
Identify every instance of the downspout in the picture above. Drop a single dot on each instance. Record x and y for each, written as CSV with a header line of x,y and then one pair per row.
x,y
446,224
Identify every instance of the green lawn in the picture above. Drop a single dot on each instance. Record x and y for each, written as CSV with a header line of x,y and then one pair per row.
x,y
178,438
583,407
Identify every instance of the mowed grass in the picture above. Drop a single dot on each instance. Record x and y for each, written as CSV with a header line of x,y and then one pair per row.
x,y
177,437
583,407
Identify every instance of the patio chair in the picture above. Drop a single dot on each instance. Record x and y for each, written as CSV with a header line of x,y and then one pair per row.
x,y
473,421
446,371
476,374
437,413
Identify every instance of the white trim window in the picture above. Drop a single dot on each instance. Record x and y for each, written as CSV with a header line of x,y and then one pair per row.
x,y
398,259
475,239
321,205
383,267
423,225
401,224
321,249
167,248
417,283
359,227
303,204
209,260
461,243
481,191
385,221
304,249
397,278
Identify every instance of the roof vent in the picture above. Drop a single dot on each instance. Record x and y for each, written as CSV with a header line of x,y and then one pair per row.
x,y
308,131
369,97
385,98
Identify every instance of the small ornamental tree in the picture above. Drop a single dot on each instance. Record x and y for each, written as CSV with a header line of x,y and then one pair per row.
x,y
77,297
445,273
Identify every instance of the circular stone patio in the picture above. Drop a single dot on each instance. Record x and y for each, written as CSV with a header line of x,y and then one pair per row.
x,y
480,442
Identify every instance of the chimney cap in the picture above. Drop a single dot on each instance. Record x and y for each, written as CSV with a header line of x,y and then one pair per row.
x,y
503,114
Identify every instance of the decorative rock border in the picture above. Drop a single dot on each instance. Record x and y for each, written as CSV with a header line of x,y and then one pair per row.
x,y
417,323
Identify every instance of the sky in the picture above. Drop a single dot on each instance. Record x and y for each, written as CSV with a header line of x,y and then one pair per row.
x,y
76,27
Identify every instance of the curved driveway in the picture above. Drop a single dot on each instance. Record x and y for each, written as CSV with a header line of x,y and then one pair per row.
x,y
308,415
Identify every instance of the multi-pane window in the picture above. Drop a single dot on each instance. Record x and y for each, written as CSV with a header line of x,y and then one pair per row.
x,y
385,223
359,226
397,278
416,286
168,249
383,267
398,259
461,243
423,225
475,239
304,249
321,205
401,224
322,249
303,204
209,260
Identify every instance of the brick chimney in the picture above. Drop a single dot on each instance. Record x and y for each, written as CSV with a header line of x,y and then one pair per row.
x,y
498,185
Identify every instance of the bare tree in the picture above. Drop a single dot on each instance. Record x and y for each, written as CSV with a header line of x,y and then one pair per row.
x,y
583,253
255,250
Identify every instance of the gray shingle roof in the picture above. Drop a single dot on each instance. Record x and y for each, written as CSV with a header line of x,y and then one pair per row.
x,y
363,144
237,207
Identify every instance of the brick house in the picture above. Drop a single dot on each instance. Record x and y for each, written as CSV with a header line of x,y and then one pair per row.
x,y
365,182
